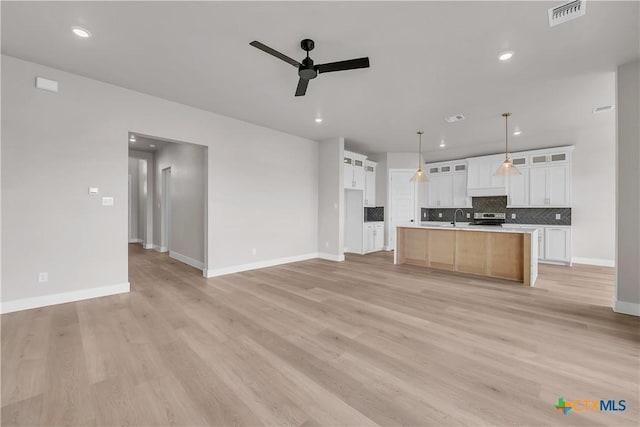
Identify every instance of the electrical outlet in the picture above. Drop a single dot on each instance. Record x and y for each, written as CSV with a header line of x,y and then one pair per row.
x,y
424,215
43,277
513,216
326,244
253,251
558,216
468,215
439,214
107,201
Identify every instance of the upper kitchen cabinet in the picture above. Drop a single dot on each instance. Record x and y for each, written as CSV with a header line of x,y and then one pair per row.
x,y
447,186
370,183
481,180
550,178
518,185
354,175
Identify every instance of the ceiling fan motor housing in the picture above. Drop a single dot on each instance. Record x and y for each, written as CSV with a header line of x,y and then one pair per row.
x,y
306,70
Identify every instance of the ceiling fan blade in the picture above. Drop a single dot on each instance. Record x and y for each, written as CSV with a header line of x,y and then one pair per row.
x,y
302,87
270,51
350,64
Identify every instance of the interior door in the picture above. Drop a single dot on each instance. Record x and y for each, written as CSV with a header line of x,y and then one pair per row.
x,y
402,200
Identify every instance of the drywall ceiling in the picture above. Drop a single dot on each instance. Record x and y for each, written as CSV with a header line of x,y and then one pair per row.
x,y
429,60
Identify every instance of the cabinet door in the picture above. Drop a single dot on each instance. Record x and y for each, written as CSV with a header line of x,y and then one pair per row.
x,y
497,181
348,176
558,185
379,237
538,186
432,191
369,187
445,191
518,194
358,174
557,244
459,190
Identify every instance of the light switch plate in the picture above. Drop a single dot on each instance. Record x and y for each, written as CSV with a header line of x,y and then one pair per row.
x,y
46,84
43,277
468,215
107,201
439,214
558,216
513,216
93,190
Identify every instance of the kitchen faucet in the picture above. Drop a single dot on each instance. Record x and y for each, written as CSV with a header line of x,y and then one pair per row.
x,y
455,213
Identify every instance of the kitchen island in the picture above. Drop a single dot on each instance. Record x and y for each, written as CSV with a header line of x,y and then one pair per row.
x,y
492,251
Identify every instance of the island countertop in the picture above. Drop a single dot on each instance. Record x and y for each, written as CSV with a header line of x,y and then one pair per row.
x,y
464,226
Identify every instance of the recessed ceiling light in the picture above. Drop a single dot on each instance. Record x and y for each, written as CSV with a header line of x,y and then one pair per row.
x,y
152,145
81,32
318,119
505,56
517,132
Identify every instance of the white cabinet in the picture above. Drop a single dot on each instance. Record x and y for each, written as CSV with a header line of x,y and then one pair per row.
x,y
557,244
550,179
518,189
373,237
447,186
354,176
379,236
369,183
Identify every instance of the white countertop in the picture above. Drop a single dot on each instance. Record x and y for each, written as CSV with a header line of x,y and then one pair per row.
x,y
464,226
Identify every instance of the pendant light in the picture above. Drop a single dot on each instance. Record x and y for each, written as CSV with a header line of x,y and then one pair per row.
x,y
419,176
506,168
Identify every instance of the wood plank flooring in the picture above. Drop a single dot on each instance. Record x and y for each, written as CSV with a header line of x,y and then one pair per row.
x,y
315,343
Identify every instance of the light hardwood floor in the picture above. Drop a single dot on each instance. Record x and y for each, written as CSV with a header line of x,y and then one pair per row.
x,y
313,343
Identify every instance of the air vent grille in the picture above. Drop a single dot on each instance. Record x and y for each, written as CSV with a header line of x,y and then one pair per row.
x,y
602,109
455,118
566,12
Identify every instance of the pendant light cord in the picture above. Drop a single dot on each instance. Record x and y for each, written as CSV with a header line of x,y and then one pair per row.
x,y
506,135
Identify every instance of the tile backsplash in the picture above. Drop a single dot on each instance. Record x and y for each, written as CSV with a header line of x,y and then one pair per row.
x,y
542,216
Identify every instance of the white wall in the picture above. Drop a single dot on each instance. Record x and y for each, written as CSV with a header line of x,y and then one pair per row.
x,y
188,185
134,199
331,199
593,174
262,184
627,298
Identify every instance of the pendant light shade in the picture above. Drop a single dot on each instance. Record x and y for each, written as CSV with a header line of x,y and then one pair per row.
x,y
419,176
506,168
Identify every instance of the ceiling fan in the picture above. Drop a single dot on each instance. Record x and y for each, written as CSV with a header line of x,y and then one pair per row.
x,y
306,69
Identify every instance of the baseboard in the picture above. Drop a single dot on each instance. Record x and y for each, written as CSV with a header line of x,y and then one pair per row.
x,y
135,240
159,248
624,307
64,297
603,262
388,248
331,257
190,261
148,245
214,272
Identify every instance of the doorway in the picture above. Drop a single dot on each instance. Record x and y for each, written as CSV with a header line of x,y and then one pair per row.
x,y
166,210
402,201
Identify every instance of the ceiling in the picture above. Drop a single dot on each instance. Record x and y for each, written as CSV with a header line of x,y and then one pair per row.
x,y
429,60
150,145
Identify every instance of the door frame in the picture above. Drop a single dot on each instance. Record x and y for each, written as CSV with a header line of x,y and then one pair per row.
x,y
388,217
165,212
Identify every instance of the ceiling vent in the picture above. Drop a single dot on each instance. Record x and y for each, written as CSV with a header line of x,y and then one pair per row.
x,y
455,118
602,109
566,12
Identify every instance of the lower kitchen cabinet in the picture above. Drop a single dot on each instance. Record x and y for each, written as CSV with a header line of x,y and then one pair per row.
x,y
557,244
373,236
554,243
